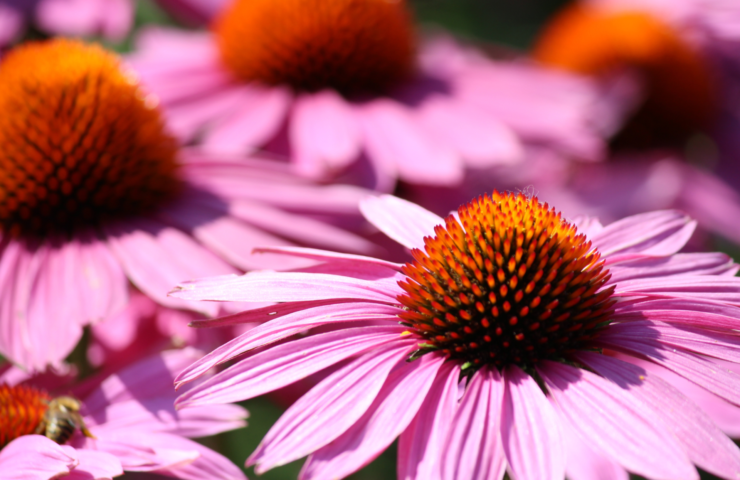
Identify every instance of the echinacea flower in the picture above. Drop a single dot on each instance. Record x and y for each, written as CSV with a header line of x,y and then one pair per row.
x,y
129,423
680,56
94,194
319,83
111,19
509,343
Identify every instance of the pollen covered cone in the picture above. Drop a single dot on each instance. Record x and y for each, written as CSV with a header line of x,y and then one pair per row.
x,y
79,142
679,83
511,282
21,411
353,46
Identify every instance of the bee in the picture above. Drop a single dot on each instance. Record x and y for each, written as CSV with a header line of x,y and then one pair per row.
x,y
62,419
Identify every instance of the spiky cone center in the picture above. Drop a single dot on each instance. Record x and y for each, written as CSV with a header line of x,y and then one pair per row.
x,y
21,411
79,141
353,46
511,282
681,97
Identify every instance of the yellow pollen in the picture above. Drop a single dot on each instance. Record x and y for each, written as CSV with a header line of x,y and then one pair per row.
x,y
680,86
353,46
510,282
79,142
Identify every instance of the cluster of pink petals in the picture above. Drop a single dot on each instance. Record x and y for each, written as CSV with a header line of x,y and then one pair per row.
x,y
49,290
131,414
462,110
660,400
109,18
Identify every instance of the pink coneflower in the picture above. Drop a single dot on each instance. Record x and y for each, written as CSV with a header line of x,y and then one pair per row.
x,y
111,19
94,194
319,83
495,349
125,423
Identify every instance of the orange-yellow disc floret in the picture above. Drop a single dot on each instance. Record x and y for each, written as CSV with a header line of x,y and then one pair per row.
x,y
353,46
509,282
79,141
21,411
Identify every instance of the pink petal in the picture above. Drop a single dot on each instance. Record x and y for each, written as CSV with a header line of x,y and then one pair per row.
x,y
156,257
682,312
615,422
403,221
473,450
679,264
357,263
708,288
112,18
481,139
654,233
209,465
11,24
299,228
266,286
388,416
659,335
700,370
324,134
147,452
420,445
584,463
329,409
704,443
529,430
287,363
256,118
33,457
288,321
100,465
392,137
187,120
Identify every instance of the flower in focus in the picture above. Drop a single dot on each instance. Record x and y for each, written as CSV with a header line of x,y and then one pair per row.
x,y
111,19
319,83
512,341
95,194
129,423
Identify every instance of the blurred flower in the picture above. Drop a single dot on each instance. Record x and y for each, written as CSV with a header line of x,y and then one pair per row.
x,y
94,194
508,343
328,89
681,58
111,19
193,12
131,425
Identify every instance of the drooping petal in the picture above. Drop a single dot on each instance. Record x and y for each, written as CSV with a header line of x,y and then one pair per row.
x,y
290,322
287,363
266,286
34,457
404,222
584,463
421,444
530,433
324,133
391,412
679,264
339,401
704,443
473,449
654,233
615,422
99,465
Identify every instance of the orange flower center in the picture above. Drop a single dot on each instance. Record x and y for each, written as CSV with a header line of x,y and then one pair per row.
x,y
511,282
21,412
79,142
680,99
353,46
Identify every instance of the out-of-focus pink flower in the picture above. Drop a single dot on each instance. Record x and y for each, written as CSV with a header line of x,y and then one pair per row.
x,y
315,86
135,428
95,194
513,341
193,12
111,19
